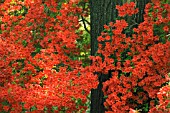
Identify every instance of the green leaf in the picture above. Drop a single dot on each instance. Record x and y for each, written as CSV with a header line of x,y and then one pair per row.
x,y
54,108
5,103
105,97
33,108
135,89
168,106
146,107
24,43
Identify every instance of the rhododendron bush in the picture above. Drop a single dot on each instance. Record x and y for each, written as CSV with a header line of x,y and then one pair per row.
x,y
38,42
139,62
40,69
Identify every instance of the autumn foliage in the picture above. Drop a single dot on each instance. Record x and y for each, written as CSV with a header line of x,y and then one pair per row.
x,y
39,65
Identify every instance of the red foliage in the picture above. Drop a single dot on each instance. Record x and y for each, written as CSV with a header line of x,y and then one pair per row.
x,y
164,101
127,9
36,67
139,63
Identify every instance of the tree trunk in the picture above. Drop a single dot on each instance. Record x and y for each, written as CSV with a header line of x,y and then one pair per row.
x,y
102,12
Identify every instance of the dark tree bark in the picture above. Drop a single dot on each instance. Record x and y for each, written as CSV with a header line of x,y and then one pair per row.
x,y
102,12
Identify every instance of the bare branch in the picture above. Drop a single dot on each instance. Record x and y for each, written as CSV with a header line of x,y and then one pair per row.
x,y
85,27
85,21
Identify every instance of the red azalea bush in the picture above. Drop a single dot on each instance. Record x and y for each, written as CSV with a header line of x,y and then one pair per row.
x,y
40,71
138,62
38,47
164,101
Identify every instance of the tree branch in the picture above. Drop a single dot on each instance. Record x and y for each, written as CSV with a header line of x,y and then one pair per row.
x,y
84,20
85,27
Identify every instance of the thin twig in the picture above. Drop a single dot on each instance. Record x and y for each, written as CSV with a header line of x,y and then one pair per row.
x,y
83,20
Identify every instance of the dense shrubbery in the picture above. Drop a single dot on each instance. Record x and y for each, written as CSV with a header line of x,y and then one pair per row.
x,y
40,68
139,63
